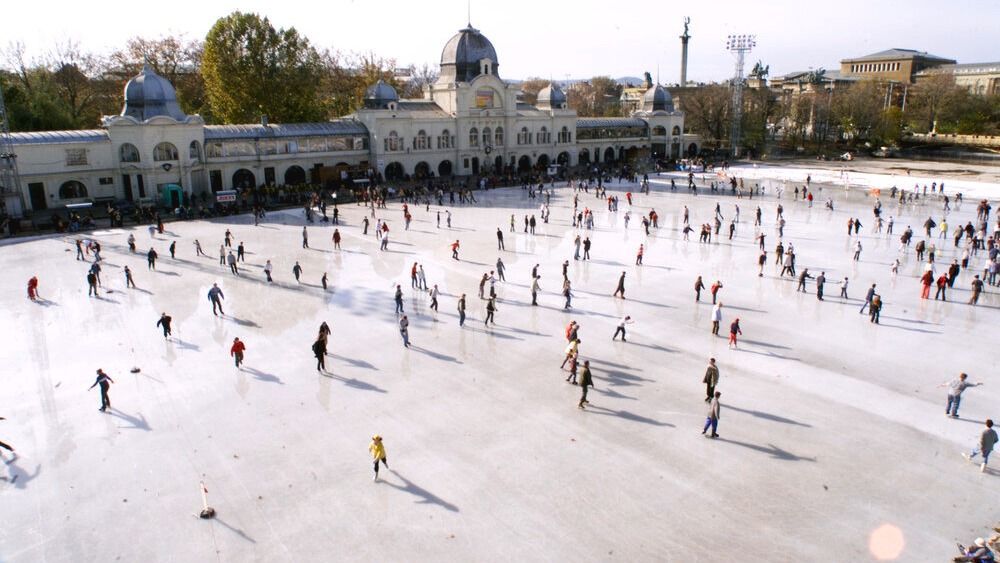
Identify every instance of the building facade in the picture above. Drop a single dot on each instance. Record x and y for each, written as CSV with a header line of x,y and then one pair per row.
x,y
468,123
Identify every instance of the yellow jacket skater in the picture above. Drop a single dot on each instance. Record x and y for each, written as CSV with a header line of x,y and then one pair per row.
x,y
378,454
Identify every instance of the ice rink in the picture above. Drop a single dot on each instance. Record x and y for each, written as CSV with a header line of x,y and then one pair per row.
x,y
831,428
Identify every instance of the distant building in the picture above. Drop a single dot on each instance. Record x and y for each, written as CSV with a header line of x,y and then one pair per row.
x,y
980,78
468,123
894,65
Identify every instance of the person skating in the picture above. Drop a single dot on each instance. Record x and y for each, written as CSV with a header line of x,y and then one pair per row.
x,y
868,299
222,255
620,290
398,299
105,381
942,285
715,290
712,419
129,282
236,351
716,318
319,351
305,238
638,255
215,296
977,289
164,323
231,260
802,280
91,284
987,439
711,379
197,249
377,450
336,239
434,292
500,269
621,328
500,239
151,259
843,288
131,245
875,309
33,288
586,381
567,291
297,271
461,310
955,389
404,330
491,307
734,329
698,286
454,249
820,282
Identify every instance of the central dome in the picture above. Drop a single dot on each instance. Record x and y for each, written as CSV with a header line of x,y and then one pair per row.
x,y
460,59
149,95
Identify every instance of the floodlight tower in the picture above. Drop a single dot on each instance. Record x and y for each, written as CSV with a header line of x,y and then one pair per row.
x,y
10,181
739,46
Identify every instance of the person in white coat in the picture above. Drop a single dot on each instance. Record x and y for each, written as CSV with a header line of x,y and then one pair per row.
x,y
716,317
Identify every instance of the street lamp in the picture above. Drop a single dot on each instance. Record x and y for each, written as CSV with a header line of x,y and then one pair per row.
x,y
739,45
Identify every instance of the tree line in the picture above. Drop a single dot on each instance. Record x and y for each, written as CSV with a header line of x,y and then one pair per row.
x,y
865,112
244,68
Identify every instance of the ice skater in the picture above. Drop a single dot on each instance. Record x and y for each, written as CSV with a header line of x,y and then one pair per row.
x,y
236,351
454,249
319,350
710,380
305,238
104,381
586,381
987,439
461,310
164,323
297,271
231,260
398,298
714,412
620,290
626,320
491,307
151,259
404,330
377,450
734,329
955,388
215,296
33,288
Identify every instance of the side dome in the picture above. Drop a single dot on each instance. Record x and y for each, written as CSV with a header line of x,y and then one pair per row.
x,y
149,95
462,56
380,95
551,97
657,98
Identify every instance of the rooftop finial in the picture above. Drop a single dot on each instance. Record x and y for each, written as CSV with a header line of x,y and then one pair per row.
x,y
468,12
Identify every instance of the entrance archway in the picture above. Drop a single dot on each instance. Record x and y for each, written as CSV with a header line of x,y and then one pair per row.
x,y
498,164
244,179
295,176
609,154
444,168
475,166
422,170
543,162
394,172
524,164
584,156
692,150
563,158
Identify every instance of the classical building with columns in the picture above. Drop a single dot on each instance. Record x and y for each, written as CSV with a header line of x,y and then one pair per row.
x,y
468,123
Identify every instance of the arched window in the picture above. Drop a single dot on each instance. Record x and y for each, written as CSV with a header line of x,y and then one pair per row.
x,y
194,151
422,141
659,131
524,137
565,136
444,140
677,130
473,137
164,151
498,137
128,153
543,136
72,190
393,142
487,136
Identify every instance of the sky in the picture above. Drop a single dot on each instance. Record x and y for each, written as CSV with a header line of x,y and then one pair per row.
x,y
555,40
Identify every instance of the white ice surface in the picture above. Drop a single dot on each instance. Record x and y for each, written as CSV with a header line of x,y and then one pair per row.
x,y
831,426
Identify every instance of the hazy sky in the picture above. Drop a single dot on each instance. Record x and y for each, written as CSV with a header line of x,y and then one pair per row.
x,y
553,39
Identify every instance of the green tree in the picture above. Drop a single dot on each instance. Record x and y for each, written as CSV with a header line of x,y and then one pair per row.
x,y
252,69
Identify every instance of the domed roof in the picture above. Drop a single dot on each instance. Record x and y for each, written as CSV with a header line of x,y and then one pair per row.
x,y
657,98
379,95
149,95
552,96
462,53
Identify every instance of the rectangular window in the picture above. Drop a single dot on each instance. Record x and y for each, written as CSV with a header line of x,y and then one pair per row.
x,y
465,163
214,150
106,181
76,157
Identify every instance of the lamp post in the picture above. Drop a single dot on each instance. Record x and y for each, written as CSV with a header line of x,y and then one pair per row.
x,y
739,45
